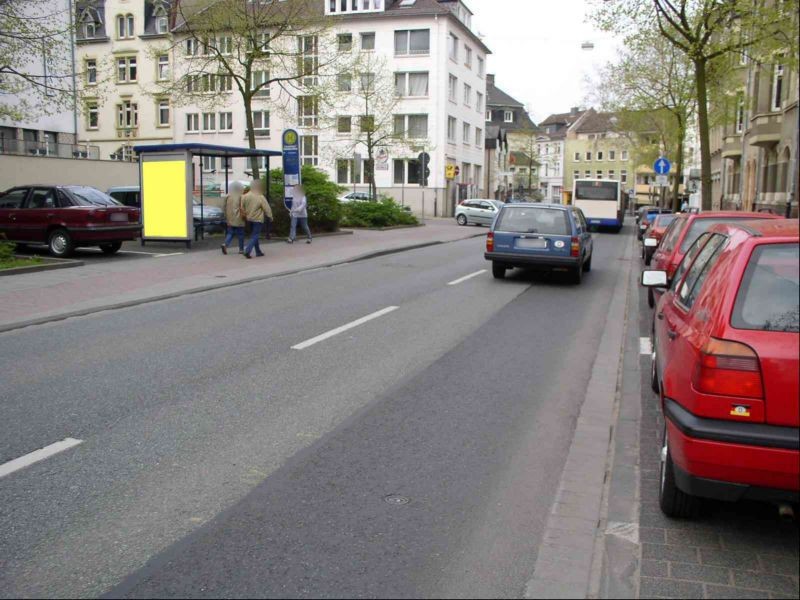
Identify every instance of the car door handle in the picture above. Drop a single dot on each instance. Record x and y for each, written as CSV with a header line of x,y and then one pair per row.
x,y
660,316
672,334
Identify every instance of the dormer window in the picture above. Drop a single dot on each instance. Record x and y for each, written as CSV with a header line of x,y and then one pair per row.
x,y
508,116
160,15
338,7
90,23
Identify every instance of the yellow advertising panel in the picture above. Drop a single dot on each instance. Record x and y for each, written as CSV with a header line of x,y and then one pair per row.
x,y
164,199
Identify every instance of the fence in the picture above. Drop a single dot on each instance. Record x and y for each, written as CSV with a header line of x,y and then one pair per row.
x,y
52,149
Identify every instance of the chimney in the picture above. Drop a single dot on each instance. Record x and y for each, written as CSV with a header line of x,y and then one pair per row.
x,y
574,110
490,79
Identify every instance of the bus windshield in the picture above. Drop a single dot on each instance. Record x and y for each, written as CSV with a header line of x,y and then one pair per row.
x,y
596,190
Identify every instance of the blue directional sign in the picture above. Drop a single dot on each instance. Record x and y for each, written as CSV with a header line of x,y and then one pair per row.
x,y
291,165
662,166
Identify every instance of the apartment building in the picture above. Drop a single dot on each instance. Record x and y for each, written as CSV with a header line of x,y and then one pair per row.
x,y
551,145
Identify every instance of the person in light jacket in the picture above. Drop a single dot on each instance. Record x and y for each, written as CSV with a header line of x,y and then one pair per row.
x,y
256,209
234,220
299,214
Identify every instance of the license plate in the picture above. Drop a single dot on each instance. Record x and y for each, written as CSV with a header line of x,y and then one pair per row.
x,y
119,217
536,244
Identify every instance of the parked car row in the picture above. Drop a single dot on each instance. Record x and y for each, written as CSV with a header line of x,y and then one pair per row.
x,y
726,358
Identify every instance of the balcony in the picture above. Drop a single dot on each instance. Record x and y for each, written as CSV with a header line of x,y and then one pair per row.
x,y
53,150
765,129
127,132
732,146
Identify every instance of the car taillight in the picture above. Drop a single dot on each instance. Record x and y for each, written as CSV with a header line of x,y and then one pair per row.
x,y
489,242
728,369
575,247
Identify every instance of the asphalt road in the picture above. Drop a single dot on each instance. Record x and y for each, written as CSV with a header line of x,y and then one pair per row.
x,y
216,460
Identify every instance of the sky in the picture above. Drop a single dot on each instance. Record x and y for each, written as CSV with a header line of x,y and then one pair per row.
x,y
536,50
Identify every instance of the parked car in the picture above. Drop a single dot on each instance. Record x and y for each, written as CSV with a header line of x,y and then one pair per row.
x,y
540,236
648,216
477,211
726,340
685,230
654,233
213,217
129,195
641,210
66,217
355,197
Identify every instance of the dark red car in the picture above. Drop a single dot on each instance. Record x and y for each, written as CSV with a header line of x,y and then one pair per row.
x,y
66,217
726,340
654,233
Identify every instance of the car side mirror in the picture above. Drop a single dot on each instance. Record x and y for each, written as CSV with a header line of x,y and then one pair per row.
x,y
654,279
650,242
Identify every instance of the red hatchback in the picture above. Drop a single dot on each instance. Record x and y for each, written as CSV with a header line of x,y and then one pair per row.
x,y
654,233
726,359
65,217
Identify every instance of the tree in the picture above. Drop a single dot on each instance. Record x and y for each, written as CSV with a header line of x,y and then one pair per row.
x,y
706,31
524,140
36,69
265,52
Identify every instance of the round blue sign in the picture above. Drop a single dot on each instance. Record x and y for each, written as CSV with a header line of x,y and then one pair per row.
x,y
662,166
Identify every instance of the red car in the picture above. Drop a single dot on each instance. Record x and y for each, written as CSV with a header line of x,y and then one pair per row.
x,y
66,217
654,233
686,228
726,340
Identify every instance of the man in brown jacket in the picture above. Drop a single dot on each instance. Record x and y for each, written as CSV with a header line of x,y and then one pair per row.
x,y
234,220
256,208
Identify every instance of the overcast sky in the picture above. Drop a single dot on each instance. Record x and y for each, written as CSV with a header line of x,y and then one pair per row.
x,y
536,50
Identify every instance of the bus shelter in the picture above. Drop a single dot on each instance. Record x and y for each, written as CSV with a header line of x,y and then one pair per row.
x,y
166,181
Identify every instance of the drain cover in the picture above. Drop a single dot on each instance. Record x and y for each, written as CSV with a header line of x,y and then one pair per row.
x,y
221,276
396,499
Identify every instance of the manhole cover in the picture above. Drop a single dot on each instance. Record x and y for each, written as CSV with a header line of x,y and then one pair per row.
x,y
221,276
396,499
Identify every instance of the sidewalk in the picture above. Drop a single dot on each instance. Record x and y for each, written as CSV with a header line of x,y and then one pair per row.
x,y
106,283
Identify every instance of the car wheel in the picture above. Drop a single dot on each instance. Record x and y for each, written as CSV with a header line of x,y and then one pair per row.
x,y
587,264
461,219
673,501
111,247
577,275
498,271
651,299
60,243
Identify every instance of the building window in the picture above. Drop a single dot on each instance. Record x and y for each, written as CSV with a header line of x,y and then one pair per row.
x,y
344,124
467,134
224,83
599,174
467,56
577,157
192,122
508,116
588,156
739,112
612,155
467,95
209,121
612,173
588,174
344,42
163,113
309,58
576,175
367,82
261,123
209,163
623,176
478,101
126,69
451,129
366,123
349,171
259,82
225,45
479,136
124,27
452,88
411,126
412,41
127,115
92,117
488,115
307,110
190,47
344,82
226,121
411,84
406,171
481,67
163,67
777,88
368,41
453,47
91,71
599,155
624,155
162,25
309,150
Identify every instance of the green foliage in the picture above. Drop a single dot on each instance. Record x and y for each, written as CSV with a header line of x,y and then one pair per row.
x,y
7,250
324,209
383,213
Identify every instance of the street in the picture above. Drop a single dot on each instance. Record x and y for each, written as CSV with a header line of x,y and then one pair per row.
x,y
241,466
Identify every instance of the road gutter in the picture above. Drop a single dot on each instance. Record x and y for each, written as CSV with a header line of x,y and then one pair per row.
x,y
567,561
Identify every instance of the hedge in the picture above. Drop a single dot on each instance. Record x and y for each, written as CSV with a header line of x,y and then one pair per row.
x,y
324,208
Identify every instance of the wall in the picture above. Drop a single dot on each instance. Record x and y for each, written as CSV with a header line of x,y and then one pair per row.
x,y
101,174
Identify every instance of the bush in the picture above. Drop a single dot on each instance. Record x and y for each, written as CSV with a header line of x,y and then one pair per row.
x,y
383,213
324,209
7,250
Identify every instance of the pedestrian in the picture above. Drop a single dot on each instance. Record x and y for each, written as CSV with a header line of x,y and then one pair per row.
x,y
685,206
233,217
299,214
255,208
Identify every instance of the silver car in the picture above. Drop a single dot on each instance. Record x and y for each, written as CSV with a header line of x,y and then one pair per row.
x,y
477,211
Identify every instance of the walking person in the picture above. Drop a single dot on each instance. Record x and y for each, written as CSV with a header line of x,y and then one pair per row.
x,y
256,209
299,214
233,217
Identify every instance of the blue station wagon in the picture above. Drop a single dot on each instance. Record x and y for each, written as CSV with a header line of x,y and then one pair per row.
x,y
541,237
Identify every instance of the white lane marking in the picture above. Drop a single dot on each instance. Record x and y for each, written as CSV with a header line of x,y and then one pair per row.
x,y
465,277
168,254
645,347
137,252
37,455
343,328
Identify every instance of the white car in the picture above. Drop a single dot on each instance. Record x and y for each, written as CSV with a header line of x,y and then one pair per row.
x,y
355,197
477,211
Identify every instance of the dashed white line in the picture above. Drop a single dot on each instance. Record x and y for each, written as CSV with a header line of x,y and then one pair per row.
x,y
168,254
343,328
645,346
37,455
470,276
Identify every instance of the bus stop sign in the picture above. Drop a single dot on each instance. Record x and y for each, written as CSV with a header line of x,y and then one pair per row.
x,y
291,165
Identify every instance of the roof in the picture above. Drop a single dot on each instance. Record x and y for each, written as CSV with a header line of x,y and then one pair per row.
x,y
497,97
596,122
205,150
559,118
537,205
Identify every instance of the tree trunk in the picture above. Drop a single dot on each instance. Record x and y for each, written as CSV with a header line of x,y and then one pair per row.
x,y
676,203
251,134
702,126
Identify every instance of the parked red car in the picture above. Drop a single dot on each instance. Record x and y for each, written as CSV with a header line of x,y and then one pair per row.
x,y
66,217
726,340
686,229
654,233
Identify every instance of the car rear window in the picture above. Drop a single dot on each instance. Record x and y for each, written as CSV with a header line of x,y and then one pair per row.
x,y
664,220
768,299
88,196
524,219
700,226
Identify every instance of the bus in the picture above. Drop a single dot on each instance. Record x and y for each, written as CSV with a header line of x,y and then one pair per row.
x,y
601,201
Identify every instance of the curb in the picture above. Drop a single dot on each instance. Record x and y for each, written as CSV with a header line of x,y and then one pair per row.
x,y
48,266
218,286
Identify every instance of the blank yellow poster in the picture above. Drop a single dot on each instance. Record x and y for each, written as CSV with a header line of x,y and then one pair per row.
x,y
164,199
